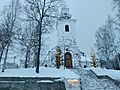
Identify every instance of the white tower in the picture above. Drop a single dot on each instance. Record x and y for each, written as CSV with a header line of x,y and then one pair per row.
x,y
66,35
65,28
66,25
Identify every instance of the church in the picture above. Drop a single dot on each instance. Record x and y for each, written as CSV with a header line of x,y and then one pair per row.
x,y
68,52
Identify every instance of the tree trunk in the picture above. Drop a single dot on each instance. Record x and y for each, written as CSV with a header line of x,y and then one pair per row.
x,y
39,49
1,55
3,47
35,56
27,60
26,64
4,64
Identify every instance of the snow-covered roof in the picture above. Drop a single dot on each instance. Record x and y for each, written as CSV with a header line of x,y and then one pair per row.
x,y
44,72
114,74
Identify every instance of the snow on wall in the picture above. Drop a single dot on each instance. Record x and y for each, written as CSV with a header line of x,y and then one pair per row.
x,y
114,74
44,72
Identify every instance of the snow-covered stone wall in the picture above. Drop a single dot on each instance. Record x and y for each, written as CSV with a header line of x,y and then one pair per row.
x,y
30,83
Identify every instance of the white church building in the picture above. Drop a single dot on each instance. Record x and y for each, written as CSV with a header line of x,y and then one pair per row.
x,y
66,39
66,52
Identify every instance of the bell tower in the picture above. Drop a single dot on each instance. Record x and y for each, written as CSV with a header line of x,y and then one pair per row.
x,y
66,37
65,25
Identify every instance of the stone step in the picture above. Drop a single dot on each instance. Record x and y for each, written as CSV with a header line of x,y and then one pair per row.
x,y
90,82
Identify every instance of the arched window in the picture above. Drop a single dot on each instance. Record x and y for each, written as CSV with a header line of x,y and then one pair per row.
x,y
66,28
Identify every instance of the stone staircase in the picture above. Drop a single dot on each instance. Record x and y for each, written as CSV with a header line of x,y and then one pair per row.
x,y
89,81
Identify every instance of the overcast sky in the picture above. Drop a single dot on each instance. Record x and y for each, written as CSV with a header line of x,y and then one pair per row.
x,y
90,15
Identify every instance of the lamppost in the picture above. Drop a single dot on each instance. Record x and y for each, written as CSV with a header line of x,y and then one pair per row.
x,y
14,62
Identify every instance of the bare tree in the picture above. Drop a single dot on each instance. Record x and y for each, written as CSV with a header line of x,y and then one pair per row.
x,y
9,21
105,42
43,12
116,5
26,38
3,40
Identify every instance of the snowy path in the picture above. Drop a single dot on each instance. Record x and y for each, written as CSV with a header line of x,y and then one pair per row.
x,y
91,82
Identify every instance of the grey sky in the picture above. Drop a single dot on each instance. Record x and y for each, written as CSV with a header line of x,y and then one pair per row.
x,y
2,3
90,15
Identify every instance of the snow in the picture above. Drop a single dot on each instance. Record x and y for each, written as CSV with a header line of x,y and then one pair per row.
x,y
44,72
89,82
12,81
84,59
48,81
114,74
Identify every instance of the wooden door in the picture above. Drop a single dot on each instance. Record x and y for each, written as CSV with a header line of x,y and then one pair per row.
x,y
68,60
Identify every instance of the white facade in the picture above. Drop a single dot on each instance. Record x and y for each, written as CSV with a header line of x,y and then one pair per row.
x,y
66,35
61,28
64,20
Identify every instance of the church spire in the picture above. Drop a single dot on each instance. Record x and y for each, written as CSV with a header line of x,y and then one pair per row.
x,y
65,13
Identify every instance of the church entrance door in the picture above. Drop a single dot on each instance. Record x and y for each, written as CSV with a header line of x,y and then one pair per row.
x,y
68,60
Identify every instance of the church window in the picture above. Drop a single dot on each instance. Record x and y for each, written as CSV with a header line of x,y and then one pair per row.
x,y
65,13
66,28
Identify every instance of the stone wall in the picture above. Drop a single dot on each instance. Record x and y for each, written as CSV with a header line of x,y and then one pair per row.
x,y
116,82
30,83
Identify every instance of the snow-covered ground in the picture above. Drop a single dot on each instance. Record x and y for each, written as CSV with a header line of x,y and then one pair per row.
x,y
44,72
114,74
87,81
70,78
91,82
